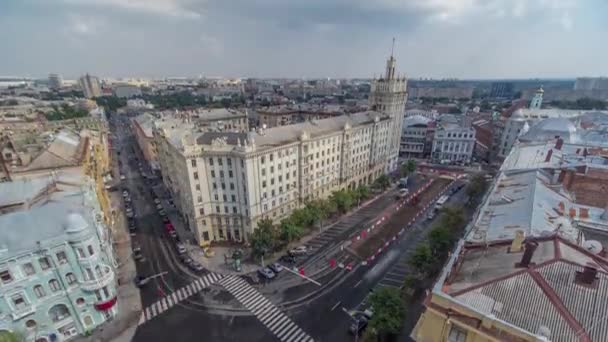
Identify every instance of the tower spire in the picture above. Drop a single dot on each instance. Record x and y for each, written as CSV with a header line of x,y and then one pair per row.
x,y
393,47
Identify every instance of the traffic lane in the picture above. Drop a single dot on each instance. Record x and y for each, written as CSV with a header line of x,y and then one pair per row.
x,y
324,318
183,324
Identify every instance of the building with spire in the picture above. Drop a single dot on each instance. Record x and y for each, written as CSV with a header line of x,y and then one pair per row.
x,y
537,100
388,95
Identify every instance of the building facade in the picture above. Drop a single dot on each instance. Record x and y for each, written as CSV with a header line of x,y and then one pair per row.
x,y
142,129
55,81
388,95
416,136
454,141
223,183
57,265
90,86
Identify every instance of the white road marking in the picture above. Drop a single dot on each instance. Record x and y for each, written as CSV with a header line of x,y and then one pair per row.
x,y
335,306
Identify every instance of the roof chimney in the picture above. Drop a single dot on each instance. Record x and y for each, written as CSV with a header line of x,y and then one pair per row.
x,y
528,254
588,276
549,154
517,244
559,143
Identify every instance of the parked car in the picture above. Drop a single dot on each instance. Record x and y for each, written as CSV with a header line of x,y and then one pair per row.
x,y
159,206
186,259
300,250
122,177
181,249
156,200
288,259
173,234
276,267
141,281
162,212
166,220
266,273
358,325
125,193
195,266
138,255
132,226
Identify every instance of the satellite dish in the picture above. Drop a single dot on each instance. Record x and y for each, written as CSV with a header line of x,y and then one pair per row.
x,y
593,246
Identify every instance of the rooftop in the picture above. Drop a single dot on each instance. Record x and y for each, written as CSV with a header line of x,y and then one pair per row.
x,y
548,298
145,121
40,209
178,133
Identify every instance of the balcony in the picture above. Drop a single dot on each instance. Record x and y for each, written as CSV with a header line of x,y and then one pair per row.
x,y
102,278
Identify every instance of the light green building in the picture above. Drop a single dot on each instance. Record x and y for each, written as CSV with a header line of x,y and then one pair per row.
x,y
57,268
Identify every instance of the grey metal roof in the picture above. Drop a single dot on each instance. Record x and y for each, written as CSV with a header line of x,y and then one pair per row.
x,y
520,200
520,301
47,217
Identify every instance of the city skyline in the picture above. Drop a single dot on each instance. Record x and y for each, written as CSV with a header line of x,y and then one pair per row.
x,y
338,39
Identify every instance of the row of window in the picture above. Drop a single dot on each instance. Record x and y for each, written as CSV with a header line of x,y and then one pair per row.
x,y
44,263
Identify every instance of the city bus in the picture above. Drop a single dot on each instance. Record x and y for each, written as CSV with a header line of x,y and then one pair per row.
x,y
440,202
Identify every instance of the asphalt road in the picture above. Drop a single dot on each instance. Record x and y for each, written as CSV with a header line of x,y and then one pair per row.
x,y
320,315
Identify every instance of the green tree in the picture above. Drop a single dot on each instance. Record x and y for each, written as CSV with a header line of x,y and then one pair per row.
x,y
476,188
343,200
423,260
453,218
440,240
411,166
302,217
389,312
383,182
290,231
363,192
263,238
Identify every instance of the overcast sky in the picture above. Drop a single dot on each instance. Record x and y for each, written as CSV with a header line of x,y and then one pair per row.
x,y
307,38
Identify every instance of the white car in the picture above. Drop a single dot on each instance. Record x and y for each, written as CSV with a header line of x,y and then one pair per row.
x,y
181,249
300,250
122,177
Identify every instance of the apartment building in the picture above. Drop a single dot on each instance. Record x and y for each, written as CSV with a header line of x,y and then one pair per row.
x,y
57,265
223,183
142,129
454,140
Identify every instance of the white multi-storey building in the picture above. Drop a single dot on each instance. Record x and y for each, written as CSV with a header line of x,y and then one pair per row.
x,y
223,183
454,140
388,95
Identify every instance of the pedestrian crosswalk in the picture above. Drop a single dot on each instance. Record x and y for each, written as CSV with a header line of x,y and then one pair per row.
x,y
177,296
275,320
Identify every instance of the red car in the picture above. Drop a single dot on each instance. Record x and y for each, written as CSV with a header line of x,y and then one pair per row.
x,y
169,227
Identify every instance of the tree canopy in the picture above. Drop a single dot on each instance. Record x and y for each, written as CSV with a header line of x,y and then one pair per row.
x,y
263,237
389,311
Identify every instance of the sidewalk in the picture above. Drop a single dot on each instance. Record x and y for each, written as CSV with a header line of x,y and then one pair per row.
x,y
122,327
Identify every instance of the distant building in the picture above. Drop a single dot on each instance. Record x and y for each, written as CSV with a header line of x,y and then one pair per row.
x,y
591,83
454,140
57,265
483,138
55,81
417,136
537,100
274,116
430,114
90,86
502,90
127,91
